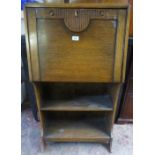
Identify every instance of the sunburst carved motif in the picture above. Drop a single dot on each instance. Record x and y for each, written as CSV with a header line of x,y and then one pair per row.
x,y
76,20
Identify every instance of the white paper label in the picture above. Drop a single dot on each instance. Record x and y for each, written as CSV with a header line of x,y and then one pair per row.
x,y
75,38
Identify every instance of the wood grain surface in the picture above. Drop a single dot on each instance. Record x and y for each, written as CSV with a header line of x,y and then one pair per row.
x,y
98,54
77,62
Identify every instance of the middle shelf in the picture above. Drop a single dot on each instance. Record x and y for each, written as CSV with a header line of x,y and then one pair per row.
x,y
86,103
75,97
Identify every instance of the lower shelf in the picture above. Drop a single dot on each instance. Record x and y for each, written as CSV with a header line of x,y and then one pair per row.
x,y
75,131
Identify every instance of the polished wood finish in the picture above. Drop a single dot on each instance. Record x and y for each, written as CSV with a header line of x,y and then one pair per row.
x,y
66,61
62,61
77,58
27,46
33,44
119,46
126,44
131,19
108,1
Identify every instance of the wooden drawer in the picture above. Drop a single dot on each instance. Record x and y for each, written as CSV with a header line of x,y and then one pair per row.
x,y
72,44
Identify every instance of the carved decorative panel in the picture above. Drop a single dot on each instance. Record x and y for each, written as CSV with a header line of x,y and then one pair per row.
x,y
76,20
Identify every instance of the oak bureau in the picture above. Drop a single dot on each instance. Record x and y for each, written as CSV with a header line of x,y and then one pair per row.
x,y
77,62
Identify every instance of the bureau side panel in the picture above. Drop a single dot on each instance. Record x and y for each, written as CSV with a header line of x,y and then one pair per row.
x,y
33,45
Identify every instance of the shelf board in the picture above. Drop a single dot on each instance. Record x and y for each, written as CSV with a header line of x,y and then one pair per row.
x,y
87,103
75,131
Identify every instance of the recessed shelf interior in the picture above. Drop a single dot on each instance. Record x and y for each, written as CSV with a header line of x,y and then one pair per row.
x,y
76,112
75,126
75,97
86,103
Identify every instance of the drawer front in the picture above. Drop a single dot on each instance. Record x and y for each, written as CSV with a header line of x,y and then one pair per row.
x,y
76,44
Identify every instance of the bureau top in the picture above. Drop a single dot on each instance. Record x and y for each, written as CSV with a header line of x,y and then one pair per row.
x,y
77,42
82,4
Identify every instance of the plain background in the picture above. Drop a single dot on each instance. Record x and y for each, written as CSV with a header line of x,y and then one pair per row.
x,y
144,77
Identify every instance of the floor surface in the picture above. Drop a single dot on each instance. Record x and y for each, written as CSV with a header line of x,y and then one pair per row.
x,y
30,141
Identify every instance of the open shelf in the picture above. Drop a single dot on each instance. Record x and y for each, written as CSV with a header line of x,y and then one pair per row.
x,y
76,128
86,103
74,131
75,97
76,112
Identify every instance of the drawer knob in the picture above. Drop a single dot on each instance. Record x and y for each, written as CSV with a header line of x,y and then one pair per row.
x,y
51,13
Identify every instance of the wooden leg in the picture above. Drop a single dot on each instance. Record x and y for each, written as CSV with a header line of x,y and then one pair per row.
x,y
110,145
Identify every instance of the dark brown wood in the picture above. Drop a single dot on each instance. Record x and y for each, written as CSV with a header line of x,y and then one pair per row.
x,y
87,103
125,111
74,131
131,19
74,127
87,1
113,90
83,4
77,59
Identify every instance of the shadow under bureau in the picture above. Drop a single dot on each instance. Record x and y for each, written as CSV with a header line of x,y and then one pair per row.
x,y
77,62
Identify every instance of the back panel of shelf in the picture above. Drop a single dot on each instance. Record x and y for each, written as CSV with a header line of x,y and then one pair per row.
x,y
75,97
